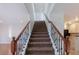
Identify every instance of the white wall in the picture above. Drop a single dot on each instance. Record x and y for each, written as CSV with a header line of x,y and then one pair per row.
x,y
39,17
30,9
57,17
14,17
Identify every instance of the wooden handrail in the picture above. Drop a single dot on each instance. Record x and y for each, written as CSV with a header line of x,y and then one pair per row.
x,y
14,41
22,31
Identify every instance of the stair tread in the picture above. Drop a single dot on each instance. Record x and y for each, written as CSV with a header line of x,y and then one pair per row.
x,y
40,32
39,35
40,54
40,38
40,43
40,48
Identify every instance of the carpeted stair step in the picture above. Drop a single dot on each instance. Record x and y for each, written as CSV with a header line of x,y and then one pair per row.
x,y
39,40
40,51
39,34
40,44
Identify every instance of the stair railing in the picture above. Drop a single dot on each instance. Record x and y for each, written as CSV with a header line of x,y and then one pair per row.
x,y
58,41
20,43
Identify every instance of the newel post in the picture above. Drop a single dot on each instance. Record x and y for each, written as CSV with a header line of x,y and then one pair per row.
x,y
13,46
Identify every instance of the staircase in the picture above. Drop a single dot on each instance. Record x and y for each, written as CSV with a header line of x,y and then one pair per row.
x,y
39,42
